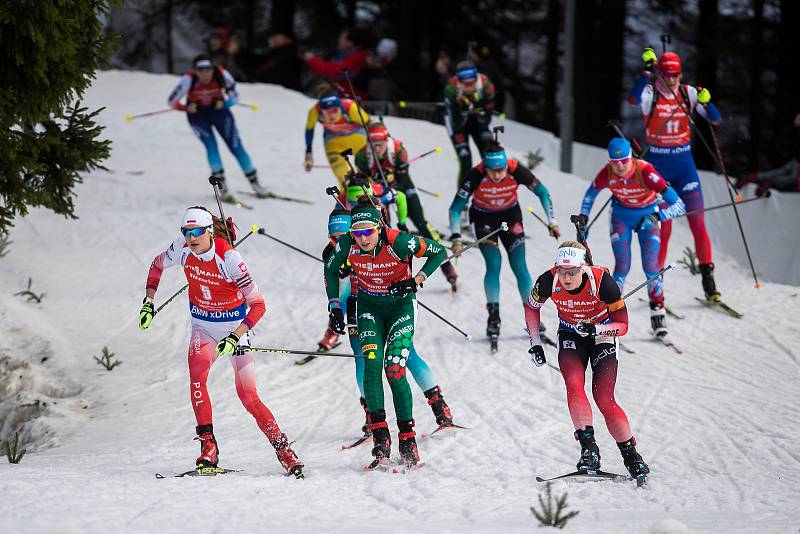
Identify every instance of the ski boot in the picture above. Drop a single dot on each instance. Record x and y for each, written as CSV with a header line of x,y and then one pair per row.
x,y
260,190
329,340
381,440
451,275
709,286
633,460
408,443
209,452
590,452
367,428
493,324
658,319
224,190
287,457
440,408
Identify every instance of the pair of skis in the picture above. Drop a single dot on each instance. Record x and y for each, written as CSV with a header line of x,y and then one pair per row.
x,y
230,199
596,474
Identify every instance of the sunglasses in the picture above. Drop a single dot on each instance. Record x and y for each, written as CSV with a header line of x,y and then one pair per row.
x,y
365,232
194,232
571,272
620,162
671,74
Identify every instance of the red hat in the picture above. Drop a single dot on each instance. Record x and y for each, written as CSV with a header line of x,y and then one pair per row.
x,y
378,133
669,63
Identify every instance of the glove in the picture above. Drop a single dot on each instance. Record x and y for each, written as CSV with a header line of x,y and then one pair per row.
x,y
345,270
581,221
388,197
554,230
457,244
227,344
649,58
219,104
308,163
389,176
192,107
585,329
537,355
648,222
703,96
146,315
336,320
402,227
403,287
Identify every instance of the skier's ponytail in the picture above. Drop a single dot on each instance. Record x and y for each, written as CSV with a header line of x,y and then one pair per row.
x,y
219,226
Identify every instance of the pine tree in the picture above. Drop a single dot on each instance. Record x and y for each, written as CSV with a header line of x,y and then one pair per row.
x,y
51,50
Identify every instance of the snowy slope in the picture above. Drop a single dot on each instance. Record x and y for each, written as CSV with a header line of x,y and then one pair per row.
x,y
716,424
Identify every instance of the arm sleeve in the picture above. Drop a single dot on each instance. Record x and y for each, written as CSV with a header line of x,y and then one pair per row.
x,y
362,162
335,260
539,295
179,92
599,183
353,113
675,206
428,248
547,203
709,112
165,260
471,182
487,98
401,161
311,122
450,108
238,270
402,206
635,95
230,89
618,314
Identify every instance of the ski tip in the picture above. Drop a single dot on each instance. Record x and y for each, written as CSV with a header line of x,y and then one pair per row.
x,y
468,337
539,479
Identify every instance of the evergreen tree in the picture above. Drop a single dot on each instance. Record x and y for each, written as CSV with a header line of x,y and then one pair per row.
x,y
51,50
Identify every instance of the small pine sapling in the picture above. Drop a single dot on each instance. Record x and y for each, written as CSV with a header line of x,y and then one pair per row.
x,y
550,514
108,360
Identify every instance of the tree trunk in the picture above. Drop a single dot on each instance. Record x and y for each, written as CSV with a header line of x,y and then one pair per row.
x,y
707,61
756,69
549,119
168,37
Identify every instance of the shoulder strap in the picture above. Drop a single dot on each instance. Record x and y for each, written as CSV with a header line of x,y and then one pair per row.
x,y
652,106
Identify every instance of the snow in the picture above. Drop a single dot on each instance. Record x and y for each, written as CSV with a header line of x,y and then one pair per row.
x,y
717,424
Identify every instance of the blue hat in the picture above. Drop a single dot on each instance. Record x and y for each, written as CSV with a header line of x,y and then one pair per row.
x,y
339,223
495,160
330,101
467,73
619,148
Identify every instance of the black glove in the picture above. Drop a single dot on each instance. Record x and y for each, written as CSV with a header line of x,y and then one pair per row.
x,y
345,270
403,227
336,320
537,355
403,287
585,329
648,222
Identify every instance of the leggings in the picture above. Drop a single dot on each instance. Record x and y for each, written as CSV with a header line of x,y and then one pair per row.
x,y
202,354
574,354
222,120
623,224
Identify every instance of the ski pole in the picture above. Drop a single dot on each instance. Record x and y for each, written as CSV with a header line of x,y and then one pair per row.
x,y
129,118
244,350
285,244
254,107
597,215
733,204
575,219
215,180
445,321
726,205
530,210
364,125
428,192
637,288
503,228
253,229
334,192
428,153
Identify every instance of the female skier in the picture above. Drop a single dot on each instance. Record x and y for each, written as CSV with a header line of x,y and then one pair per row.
x,y
221,290
591,316
380,259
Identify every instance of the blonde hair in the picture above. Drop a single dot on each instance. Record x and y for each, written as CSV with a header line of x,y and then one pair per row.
x,y
571,244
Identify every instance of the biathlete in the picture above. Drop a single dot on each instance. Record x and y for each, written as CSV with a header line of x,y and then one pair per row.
x,y
342,129
393,161
667,124
225,304
380,259
492,185
635,188
591,316
338,225
210,93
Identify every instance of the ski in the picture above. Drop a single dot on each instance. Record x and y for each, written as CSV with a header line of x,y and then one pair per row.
x,y
667,342
230,199
201,472
591,474
320,348
451,426
276,196
625,348
721,306
672,313
357,442
387,466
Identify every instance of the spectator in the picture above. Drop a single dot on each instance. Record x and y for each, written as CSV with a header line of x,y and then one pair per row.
x,y
282,64
383,72
442,73
351,55
216,45
235,59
